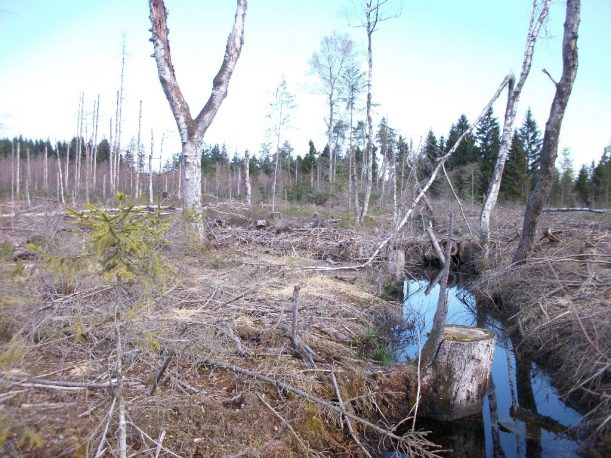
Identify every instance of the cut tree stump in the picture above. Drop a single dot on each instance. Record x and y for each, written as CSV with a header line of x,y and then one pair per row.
x,y
454,383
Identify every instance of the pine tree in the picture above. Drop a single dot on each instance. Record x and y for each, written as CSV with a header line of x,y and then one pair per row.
x,y
530,135
515,184
582,186
488,141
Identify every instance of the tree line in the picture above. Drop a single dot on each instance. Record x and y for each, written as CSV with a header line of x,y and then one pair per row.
x,y
305,175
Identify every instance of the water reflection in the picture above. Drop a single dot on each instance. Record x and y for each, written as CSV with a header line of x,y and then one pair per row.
x,y
522,414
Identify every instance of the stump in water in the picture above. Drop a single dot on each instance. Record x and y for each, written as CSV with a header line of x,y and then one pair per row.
x,y
396,263
454,382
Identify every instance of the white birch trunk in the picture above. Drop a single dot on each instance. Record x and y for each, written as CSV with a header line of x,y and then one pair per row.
x,y
45,177
61,181
137,193
18,175
247,178
510,114
95,144
13,171
27,177
191,130
369,183
151,169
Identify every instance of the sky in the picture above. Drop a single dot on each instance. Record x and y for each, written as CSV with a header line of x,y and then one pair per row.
x,y
435,61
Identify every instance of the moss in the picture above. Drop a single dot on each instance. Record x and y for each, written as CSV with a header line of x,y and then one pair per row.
x,y
7,250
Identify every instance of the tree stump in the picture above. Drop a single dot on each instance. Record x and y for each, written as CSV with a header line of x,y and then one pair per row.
x,y
454,382
396,263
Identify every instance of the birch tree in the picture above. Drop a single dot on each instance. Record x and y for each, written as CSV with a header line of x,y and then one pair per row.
x,y
374,13
247,178
329,64
549,150
353,82
191,130
514,92
280,108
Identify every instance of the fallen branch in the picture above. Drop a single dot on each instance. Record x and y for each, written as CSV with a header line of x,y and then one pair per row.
x,y
577,209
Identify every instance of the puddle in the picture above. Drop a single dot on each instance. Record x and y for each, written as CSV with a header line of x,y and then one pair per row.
x,y
518,388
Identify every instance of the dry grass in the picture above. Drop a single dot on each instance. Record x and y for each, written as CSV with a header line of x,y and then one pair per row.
x,y
559,303
231,303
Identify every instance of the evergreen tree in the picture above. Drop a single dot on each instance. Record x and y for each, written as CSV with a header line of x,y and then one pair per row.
x,y
514,185
466,152
582,186
488,141
530,135
429,154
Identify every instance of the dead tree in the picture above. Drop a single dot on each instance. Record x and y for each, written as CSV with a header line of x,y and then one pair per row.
x,y
373,16
549,150
27,177
45,176
514,92
191,130
18,175
137,193
247,178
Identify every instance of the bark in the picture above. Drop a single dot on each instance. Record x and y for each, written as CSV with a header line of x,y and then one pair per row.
x,y
12,171
18,175
369,147
191,130
137,193
247,178
61,181
95,143
151,169
454,385
549,150
514,93
45,177
111,161
27,177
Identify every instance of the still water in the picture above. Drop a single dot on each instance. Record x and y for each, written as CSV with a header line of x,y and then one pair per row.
x,y
516,384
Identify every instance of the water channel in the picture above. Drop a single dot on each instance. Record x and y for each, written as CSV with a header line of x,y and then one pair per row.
x,y
522,415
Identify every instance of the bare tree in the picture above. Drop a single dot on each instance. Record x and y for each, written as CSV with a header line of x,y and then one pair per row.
x,y
27,177
138,152
151,168
549,150
328,64
280,108
191,130
514,91
353,82
247,177
373,11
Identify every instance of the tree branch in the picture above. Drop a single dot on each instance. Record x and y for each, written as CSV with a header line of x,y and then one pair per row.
x,y
221,80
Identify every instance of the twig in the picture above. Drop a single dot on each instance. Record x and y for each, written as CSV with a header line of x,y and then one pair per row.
x,y
159,442
162,370
286,423
341,405
99,451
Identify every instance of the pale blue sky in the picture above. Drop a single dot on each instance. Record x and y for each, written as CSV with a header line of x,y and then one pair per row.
x,y
437,60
